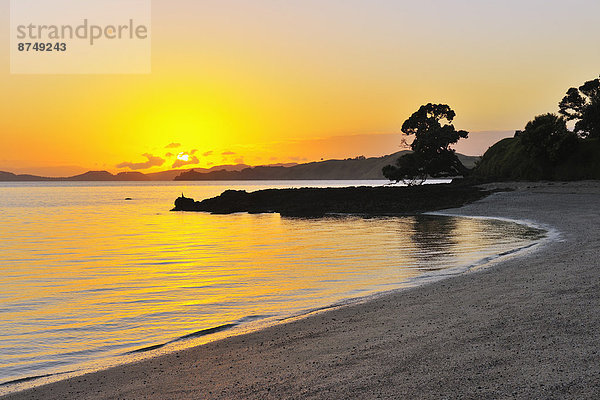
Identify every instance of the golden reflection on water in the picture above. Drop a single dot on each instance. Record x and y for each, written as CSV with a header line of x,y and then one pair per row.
x,y
88,276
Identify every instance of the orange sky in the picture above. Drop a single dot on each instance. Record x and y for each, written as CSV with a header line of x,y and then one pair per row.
x,y
270,81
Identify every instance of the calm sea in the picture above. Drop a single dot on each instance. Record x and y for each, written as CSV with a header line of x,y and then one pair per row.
x,y
88,277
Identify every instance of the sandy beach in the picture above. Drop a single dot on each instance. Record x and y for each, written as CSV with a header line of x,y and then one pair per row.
x,y
527,327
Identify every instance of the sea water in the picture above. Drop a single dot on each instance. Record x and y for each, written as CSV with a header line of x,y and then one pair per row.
x,y
90,279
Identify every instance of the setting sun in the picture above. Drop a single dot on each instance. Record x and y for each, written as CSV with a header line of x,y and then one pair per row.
x,y
183,157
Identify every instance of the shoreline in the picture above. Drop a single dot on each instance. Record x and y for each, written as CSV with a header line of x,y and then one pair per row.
x,y
331,333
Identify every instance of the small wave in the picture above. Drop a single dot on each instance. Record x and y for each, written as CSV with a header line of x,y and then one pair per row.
x,y
251,318
305,313
32,378
205,332
200,333
148,348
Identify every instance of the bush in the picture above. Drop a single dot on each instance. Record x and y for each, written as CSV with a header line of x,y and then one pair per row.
x,y
510,160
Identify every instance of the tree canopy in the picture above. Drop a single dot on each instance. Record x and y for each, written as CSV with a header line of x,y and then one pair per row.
x,y
547,138
583,106
432,156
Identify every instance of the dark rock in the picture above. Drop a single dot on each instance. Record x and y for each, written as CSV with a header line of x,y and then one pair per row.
x,y
186,204
317,202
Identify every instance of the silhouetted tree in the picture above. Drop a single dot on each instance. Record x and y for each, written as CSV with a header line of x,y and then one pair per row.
x,y
432,155
583,106
409,168
547,138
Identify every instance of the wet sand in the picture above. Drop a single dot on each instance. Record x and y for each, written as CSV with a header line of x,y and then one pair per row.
x,y
525,328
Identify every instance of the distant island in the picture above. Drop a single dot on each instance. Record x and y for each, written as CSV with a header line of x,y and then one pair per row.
x,y
359,168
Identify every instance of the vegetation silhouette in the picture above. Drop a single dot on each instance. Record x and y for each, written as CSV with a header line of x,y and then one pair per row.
x,y
547,138
432,155
546,149
583,106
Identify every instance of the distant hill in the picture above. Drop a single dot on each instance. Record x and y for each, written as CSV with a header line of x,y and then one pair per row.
x,y
105,176
94,176
350,169
355,168
10,177
171,174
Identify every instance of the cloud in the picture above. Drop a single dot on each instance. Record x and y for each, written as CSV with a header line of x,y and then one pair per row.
x,y
228,153
153,161
208,153
194,151
173,145
239,160
191,160
169,155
